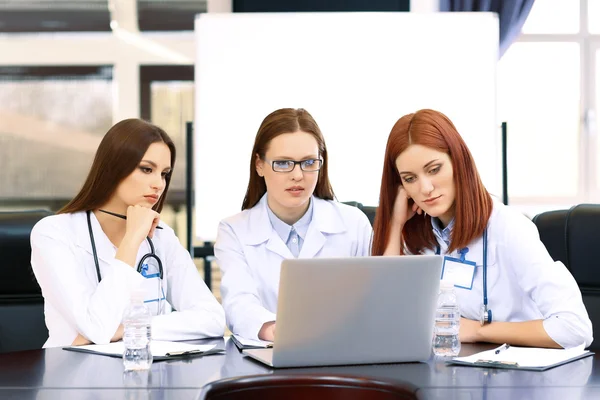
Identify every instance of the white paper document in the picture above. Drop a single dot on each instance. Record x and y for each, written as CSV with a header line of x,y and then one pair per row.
x,y
158,348
244,343
524,357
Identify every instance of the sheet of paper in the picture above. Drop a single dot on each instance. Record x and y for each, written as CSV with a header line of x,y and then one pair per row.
x,y
252,342
157,347
527,356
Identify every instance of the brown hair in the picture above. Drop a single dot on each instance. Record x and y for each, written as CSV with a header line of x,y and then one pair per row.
x,y
119,153
285,120
473,203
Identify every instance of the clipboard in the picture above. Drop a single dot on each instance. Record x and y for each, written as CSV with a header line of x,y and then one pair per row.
x,y
161,350
523,358
245,344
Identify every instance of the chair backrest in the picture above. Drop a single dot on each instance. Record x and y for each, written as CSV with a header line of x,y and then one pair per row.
x,y
571,236
551,226
582,238
314,387
22,325
368,210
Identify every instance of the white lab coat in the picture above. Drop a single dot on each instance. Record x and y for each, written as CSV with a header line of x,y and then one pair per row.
x,y
74,301
524,283
249,252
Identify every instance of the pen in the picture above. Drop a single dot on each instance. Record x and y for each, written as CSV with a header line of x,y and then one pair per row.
x,y
183,353
503,347
121,216
192,352
500,363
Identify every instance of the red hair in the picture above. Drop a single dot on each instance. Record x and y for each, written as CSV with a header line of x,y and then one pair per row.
x,y
473,203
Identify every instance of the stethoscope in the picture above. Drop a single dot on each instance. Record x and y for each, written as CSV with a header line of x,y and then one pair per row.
x,y
486,313
140,265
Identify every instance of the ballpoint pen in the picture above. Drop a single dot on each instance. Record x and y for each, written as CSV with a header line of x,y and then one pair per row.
x,y
121,216
192,352
504,347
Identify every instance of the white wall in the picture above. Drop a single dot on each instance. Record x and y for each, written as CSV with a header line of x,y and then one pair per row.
x,y
356,73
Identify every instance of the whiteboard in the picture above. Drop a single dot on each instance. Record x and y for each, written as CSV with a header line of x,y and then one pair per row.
x,y
356,73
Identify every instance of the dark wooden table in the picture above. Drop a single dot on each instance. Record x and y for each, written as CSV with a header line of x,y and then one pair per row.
x,y
59,374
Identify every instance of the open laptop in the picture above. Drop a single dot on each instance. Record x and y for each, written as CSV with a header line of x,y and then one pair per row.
x,y
359,310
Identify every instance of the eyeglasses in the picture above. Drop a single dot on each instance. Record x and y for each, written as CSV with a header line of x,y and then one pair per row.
x,y
310,165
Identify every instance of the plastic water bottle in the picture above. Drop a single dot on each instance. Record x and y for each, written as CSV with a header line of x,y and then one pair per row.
x,y
446,342
136,336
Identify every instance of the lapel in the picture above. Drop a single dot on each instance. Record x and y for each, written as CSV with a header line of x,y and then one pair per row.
x,y
441,243
104,247
259,230
326,220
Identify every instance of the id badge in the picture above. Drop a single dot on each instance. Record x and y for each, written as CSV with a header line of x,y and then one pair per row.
x,y
460,272
153,290
152,286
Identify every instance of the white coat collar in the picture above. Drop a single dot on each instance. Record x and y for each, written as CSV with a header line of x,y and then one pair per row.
x,y
104,248
326,219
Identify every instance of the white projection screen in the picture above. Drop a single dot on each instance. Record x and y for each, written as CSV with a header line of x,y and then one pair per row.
x,y
356,73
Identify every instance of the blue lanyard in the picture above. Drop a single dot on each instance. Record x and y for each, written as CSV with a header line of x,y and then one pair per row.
x,y
485,299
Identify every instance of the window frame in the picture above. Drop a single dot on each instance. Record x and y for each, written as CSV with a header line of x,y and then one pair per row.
x,y
588,185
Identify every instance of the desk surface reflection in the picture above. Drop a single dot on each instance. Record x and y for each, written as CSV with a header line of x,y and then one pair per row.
x,y
56,373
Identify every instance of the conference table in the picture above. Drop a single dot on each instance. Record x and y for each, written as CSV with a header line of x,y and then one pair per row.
x,y
59,374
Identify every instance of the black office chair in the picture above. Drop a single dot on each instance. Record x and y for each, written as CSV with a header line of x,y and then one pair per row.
x,y
313,387
22,325
368,210
583,238
551,226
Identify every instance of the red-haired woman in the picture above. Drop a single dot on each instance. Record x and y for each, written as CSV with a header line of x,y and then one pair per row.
x,y
432,200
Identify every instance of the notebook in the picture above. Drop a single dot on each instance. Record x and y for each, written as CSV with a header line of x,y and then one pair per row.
x,y
161,350
525,358
243,343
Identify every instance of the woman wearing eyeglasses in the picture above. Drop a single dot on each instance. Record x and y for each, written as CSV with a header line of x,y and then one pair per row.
x,y
288,212
109,241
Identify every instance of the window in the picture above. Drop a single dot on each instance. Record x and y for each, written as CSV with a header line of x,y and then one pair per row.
x,y
167,99
548,92
593,16
51,122
553,16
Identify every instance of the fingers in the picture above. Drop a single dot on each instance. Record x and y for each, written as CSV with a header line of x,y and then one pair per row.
x,y
402,191
142,220
153,228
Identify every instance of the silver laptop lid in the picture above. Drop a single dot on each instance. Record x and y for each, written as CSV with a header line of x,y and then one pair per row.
x,y
335,311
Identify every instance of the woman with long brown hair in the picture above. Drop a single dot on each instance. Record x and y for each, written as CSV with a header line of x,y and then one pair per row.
x,y
108,242
432,200
289,211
